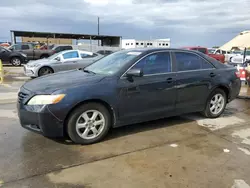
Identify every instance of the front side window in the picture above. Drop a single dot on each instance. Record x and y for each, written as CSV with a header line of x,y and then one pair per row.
x,y
70,55
154,64
25,47
188,61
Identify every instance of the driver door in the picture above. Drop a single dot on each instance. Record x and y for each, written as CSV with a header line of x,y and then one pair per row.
x,y
70,60
151,96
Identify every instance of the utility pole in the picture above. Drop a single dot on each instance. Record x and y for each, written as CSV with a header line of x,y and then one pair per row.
x,y
98,27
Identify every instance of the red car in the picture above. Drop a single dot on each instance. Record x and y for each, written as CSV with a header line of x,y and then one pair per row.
x,y
219,57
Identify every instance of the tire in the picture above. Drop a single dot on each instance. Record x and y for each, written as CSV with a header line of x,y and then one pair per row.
x,y
87,125
215,110
44,56
16,61
45,71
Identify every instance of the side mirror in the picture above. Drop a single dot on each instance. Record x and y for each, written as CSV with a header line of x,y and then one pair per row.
x,y
134,73
58,58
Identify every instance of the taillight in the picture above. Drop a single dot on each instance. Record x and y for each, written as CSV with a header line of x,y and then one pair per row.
x,y
237,74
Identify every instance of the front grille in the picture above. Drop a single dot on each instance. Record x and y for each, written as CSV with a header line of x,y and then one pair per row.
x,y
21,96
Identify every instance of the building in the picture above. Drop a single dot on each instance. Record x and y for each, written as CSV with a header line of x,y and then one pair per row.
x,y
133,43
102,41
47,40
241,41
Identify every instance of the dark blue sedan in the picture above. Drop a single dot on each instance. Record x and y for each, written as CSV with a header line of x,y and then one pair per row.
x,y
126,87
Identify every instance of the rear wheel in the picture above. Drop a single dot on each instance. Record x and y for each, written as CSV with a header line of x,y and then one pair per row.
x,y
16,61
89,123
216,104
44,71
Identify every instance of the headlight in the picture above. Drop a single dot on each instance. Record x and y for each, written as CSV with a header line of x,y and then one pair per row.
x,y
24,55
46,99
34,65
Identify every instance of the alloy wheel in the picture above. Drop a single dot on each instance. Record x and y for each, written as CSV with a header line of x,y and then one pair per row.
x,y
217,104
90,124
16,62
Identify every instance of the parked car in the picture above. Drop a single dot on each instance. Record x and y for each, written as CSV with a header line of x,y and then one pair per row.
x,y
33,53
62,61
219,57
14,58
239,59
30,51
126,87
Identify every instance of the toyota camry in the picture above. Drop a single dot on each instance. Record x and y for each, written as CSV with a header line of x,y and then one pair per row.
x,y
126,87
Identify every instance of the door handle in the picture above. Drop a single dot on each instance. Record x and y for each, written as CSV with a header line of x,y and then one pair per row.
x,y
212,74
169,80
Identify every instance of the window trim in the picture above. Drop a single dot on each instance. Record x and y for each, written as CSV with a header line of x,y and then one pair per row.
x,y
161,51
173,60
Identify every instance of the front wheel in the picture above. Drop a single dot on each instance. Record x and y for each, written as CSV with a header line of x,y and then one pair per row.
x,y
44,71
16,61
89,123
216,104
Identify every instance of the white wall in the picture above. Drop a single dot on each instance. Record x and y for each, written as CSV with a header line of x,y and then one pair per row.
x,y
132,43
128,43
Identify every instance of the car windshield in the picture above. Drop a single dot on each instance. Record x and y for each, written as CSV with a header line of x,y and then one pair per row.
x,y
112,63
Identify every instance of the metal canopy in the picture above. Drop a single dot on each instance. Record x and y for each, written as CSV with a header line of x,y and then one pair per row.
x,y
61,35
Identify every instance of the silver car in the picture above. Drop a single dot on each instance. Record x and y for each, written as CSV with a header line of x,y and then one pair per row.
x,y
62,61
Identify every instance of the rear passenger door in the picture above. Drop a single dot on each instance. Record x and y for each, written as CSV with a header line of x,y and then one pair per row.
x,y
195,75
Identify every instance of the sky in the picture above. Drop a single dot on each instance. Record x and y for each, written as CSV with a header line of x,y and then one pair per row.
x,y
186,22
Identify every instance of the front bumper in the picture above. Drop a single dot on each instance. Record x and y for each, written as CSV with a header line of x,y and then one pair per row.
x,y
30,71
38,119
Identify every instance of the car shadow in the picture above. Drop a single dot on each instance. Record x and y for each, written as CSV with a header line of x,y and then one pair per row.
x,y
135,128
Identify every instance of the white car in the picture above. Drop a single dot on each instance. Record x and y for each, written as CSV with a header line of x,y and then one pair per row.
x,y
239,59
62,61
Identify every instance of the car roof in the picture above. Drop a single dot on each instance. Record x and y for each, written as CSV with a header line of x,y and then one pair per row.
x,y
80,51
148,50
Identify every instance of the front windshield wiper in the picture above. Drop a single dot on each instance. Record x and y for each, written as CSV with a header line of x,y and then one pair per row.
x,y
88,71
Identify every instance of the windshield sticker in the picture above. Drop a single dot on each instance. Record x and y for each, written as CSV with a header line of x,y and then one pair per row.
x,y
133,53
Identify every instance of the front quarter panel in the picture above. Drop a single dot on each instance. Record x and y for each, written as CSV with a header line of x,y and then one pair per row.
x,y
104,91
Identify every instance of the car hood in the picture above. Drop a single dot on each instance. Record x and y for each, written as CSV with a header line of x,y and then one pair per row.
x,y
41,61
66,79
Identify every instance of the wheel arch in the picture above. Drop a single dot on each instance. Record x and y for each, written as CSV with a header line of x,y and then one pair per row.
x,y
223,88
43,67
99,101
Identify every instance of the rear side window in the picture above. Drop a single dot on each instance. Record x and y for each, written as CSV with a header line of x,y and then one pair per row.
x,y
189,61
70,55
155,63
